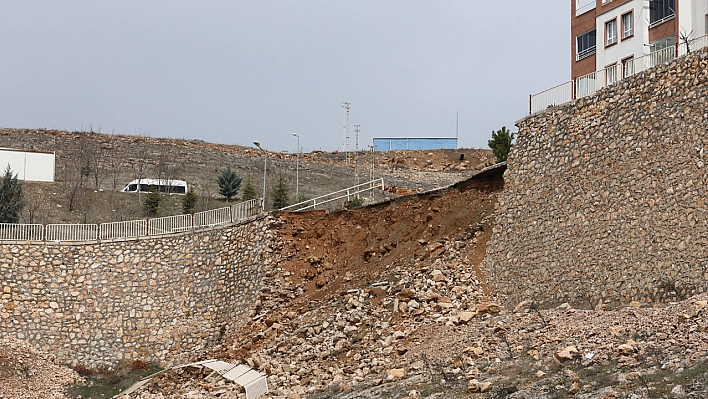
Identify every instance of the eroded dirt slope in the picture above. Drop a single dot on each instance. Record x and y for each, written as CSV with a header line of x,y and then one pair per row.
x,y
389,302
327,254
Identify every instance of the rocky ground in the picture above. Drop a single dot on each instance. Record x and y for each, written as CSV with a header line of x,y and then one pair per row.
x,y
26,372
389,302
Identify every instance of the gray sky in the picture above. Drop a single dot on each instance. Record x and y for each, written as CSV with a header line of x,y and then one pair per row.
x,y
237,71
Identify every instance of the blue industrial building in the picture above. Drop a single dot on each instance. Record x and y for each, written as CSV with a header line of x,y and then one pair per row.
x,y
414,143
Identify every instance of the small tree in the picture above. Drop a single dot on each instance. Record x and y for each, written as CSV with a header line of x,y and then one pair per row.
x,y
229,183
152,203
12,198
501,143
281,193
189,202
249,192
356,202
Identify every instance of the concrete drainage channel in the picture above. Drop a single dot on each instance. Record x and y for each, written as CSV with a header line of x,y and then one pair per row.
x,y
255,383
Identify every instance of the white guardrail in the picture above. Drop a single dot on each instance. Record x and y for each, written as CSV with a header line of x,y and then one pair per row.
x,y
592,82
22,232
127,229
130,228
213,217
169,224
71,232
347,193
247,209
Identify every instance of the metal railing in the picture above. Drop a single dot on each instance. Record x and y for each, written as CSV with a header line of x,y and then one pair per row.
x,y
347,193
662,20
169,224
213,217
130,228
21,232
592,82
553,96
628,68
247,209
694,44
582,9
126,229
71,232
585,53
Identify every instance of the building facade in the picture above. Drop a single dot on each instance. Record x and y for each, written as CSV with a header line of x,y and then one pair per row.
x,y
414,143
31,165
608,35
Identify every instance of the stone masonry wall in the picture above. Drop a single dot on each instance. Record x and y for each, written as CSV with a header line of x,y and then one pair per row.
x,y
605,197
163,299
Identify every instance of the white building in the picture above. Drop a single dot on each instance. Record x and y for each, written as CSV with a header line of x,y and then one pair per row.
x,y
609,35
28,165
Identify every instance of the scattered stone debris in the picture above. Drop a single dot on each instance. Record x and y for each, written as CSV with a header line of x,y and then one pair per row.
x,y
26,372
214,373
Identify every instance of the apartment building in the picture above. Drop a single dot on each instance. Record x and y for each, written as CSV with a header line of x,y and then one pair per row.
x,y
608,35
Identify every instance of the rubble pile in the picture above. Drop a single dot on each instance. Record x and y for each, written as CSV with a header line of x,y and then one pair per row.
x,y
372,334
26,372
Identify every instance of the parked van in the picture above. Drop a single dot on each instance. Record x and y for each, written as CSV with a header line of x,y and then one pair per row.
x,y
156,185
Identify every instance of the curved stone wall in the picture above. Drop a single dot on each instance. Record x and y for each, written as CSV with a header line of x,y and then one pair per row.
x,y
605,197
163,299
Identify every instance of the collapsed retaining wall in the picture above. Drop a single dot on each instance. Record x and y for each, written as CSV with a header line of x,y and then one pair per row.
x,y
605,197
165,299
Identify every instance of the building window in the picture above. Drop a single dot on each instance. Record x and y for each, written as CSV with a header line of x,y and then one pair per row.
x,y
611,74
662,50
627,25
583,6
610,32
660,11
628,67
664,42
585,45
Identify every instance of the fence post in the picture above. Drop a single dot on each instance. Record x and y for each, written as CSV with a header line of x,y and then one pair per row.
x,y
530,95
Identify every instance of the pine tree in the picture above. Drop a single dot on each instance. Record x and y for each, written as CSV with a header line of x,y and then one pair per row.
x,y
11,197
152,203
249,192
189,201
229,183
281,193
501,143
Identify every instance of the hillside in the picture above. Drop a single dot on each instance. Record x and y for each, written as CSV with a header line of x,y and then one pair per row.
x,y
91,168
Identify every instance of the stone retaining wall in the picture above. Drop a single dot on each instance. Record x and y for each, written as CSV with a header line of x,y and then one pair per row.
x,y
605,197
165,299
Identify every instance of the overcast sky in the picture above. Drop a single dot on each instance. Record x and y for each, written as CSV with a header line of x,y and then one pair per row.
x,y
237,71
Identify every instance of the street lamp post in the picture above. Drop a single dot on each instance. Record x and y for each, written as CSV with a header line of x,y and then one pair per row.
x,y
265,166
371,176
297,170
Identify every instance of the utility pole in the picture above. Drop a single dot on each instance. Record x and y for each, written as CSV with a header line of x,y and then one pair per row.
x,y
457,129
345,140
297,170
371,174
356,154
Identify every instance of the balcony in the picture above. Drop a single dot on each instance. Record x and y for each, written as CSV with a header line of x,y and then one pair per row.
x,y
585,53
590,83
583,6
662,20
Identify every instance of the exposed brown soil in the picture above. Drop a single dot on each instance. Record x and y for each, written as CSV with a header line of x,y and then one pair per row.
x,y
328,254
